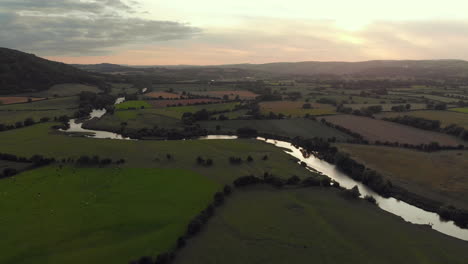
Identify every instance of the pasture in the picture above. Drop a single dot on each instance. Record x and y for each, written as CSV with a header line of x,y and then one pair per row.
x,y
231,94
40,139
386,107
283,127
6,100
383,131
461,110
162,95
135,119
295,108
181,102
178,111
49,104
437,175
134,104
314,225
445,117
11,117
67,89
97,215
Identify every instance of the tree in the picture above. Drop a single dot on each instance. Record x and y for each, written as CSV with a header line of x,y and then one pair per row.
x,y
227,190
218,198
354,192
293,180
29,121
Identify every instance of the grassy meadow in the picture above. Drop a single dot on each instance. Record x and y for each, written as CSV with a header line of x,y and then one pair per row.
x,y
295,108
380,130
49,104
437,175
445,117
137,104
284,127
314,225
96,215
40,139
461,110
135,119
11,117
67,89
178,111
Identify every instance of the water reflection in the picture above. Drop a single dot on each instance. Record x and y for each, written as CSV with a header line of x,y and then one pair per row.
x,y
408,212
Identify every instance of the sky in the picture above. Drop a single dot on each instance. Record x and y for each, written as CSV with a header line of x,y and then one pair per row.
x,y
208,32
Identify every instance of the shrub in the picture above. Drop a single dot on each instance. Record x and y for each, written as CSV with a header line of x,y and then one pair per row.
x,y
246,180
293,180
227,190
370,199
311,181
218,198
353,192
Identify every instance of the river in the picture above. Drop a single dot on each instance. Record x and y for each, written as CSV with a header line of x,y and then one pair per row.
x,y
406,211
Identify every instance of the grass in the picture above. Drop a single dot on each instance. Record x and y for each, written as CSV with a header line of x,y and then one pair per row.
x,y
437,175
284,127
177,112
379,130
352,99
19,166
135,119
314,226
461,110
137,104
11,117
96,215
233,114
385,107
67,89
294,108
445,117
40,139
50,104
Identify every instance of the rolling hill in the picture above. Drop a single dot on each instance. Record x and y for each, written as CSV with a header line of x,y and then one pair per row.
x,y
22,72
384,68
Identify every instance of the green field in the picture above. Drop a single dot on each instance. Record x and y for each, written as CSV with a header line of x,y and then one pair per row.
x,y
445,117
351,99
135,119
178,111
133,104
11,117
295,108
67,89
50,104
438,175
19,166
385,107
86,215
461,110
314,225
284,127
40,139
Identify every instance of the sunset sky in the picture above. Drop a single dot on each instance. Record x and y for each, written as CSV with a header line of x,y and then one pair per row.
x,y
204,32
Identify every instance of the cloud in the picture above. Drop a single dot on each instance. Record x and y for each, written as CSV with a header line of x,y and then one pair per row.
x,y
77,28
272,40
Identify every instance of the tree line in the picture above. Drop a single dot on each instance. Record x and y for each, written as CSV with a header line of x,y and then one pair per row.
x,y
432,125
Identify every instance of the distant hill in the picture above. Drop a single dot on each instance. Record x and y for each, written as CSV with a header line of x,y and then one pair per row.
x,y
384,68
427,69
175,73
105,68
22,72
